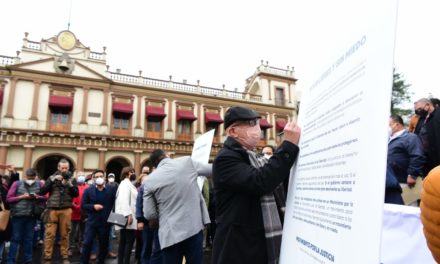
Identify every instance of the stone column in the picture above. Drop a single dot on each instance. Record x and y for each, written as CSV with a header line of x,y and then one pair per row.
x,y
36,99
105,109
80,159
137,161
273,129
269,83
11,99
170,115
221,127
3,155
289,90
199,118
138,114
102,158
84,105
28,150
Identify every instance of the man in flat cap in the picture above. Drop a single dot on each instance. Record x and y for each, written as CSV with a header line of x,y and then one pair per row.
x,y
248,224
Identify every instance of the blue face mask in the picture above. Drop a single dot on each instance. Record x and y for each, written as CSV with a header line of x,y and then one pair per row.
x,y
81,179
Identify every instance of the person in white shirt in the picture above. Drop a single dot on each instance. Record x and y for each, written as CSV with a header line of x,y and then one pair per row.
x,y
126,205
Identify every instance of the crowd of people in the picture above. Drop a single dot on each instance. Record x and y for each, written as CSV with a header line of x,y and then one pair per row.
x,y
412,152
171,211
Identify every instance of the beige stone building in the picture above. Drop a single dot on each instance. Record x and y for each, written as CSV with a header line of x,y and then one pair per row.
x,y
59,99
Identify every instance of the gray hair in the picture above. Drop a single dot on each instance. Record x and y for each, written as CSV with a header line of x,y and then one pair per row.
x,y
424,101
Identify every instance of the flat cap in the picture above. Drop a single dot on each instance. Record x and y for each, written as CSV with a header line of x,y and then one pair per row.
x,y
238,113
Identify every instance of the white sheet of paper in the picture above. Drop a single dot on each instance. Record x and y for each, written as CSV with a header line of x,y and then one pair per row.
x,y
336,193
202,147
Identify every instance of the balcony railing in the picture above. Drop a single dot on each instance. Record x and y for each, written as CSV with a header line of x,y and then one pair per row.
x,y
97,55
5,60
184,87
289,72
32,45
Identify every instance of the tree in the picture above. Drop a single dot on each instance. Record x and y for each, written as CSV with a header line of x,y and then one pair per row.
x,y
400,95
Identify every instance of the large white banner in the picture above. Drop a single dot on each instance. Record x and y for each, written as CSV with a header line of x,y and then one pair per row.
x,y
335,201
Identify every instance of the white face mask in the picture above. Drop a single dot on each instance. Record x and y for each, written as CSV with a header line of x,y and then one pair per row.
x,y
90,182
253,134
99,181
30,182
111,179
267,156
81,179
390,131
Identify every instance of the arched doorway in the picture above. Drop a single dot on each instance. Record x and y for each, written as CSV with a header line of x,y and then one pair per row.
x,y
115,166
48,164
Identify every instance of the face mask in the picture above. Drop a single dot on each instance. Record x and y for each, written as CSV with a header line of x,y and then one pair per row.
x,y
267,156
81,179
421,112
253,134
133,177
390,131
30,182
90,182
99,181
111,179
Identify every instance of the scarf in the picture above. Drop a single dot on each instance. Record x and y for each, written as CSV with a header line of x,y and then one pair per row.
x,y
271,219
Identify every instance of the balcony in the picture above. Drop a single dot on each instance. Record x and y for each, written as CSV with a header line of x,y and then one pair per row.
x,y
186,137
183,87
153,134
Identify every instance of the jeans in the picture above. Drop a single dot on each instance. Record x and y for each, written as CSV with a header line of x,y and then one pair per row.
x,y
22,234
150,243
2,249
75,234
91,231
191,248
126,241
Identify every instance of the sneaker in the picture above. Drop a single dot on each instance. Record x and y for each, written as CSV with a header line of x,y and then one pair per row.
x,y
112,255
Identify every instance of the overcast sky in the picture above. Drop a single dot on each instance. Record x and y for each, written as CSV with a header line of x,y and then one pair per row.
x,y
222,42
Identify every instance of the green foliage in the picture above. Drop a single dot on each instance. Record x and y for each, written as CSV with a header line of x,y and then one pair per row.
x,y
400,95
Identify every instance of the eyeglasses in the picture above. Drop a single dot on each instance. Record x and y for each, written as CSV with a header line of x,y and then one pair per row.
x,y
251,123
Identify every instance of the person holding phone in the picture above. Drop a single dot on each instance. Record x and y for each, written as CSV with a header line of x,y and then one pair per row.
x,y
22,196
62,188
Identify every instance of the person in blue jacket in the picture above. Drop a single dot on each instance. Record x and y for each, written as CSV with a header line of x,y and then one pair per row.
x,y
97,201
150,239
405,153
393,191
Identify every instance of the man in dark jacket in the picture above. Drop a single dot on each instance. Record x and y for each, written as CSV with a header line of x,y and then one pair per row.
x,y
429,132
61,188
242,184
405,153
97,202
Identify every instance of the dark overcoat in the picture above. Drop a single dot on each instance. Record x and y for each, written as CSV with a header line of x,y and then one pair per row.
x,y
238,187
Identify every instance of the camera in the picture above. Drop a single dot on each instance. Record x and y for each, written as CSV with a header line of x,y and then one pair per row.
x,y
66,175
